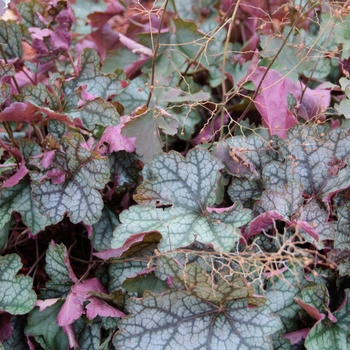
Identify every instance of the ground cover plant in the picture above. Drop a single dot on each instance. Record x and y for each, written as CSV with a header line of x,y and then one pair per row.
x,y
175,174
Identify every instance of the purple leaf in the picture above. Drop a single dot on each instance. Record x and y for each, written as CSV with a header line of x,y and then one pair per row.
x,y
272,101
97,19
72,338
14,179
311,310
118,142
20,112
6,326
314,103
116,253
22,171
263,222
297,336
72,308
43,304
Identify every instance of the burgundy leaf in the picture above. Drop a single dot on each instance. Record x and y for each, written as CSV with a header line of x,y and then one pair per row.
x,y
117,142
314,103
263,222
21,172
311,310
72,308
97,19
72,338
43,304
116,253
6,328
297,336
307,228
20,112
272,101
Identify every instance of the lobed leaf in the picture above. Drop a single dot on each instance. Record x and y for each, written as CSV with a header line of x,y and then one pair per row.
x,y
194,324
16,294
43,326
84,173
10,38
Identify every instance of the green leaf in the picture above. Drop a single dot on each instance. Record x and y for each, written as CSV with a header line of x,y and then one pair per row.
x,y
102,230
146,281
189,40
317,217
343,107
57,129
331,335
188,182
341,35
58,269
16,294
119,59
254,151
289,62
119,272
88,335
4,233
342,238
286,201
178,95
125,166
245,191
145,127
98,83
11,39
181,320
41,97
17,341
18,198
189,185
29,13
134,95
208,285
317,297
84,173
280,294
43,326
187,119
317,162
96,112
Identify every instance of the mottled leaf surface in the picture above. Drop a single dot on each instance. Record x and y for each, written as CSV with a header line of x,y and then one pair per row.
x,y
317,162
194,324
331,335
342,238
18,198
102,230
60,272
84,173
286,201
98,83
10,38
188,184
16,294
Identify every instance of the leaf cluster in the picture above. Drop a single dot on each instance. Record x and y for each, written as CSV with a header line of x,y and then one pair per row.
x,y
174,175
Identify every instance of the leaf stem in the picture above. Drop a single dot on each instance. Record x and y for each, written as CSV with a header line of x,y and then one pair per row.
x,y
155,52
223,67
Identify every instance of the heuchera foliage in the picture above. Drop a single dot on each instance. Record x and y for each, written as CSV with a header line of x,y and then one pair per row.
x,y
174,175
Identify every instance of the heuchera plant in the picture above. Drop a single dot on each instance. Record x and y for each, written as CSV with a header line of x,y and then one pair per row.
x,y
175,175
